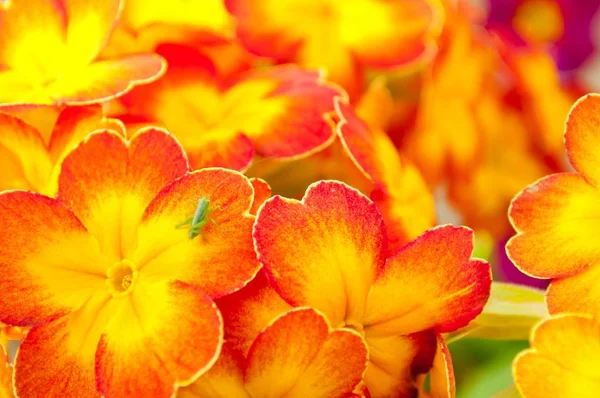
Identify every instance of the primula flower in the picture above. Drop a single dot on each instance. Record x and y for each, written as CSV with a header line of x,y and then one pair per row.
x,y
30,158
563,24
556,219
49,53
118,290
342,37
297,355
276,112
562,360
328,251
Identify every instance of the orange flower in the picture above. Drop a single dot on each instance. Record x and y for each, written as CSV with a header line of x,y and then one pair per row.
x,y
277,112
297,355
342,37
562,360
30,158
328,251
556,219
115,288
49,51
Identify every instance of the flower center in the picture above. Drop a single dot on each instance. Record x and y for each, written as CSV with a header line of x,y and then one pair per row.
x,y
120,278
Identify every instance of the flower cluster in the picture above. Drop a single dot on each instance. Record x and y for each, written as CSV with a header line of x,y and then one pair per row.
x,y
249,198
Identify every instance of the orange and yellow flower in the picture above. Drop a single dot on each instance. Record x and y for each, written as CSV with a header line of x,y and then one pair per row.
x,y
120,297
341,37
556,219
328,251
562,360
297,355
277,112
30,157
49,53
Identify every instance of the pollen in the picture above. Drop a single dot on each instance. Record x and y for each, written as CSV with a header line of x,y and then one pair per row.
x,y
121,277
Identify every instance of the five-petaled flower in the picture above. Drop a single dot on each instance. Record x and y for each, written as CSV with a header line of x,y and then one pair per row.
x,y
556,219
328,251
49,51
120,299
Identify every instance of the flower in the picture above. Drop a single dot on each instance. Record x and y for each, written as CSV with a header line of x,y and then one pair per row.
x,y
562,360
297,354
556,219
277,112
328,251
49,51
115,289
339,36
31,157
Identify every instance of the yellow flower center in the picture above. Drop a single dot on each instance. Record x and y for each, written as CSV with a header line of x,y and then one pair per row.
x,y
121,278
539,21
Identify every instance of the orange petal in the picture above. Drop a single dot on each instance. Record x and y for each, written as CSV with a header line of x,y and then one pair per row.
x,y
576,293
58,357
224,379
555,219
221,259
563,359
262,192
167,334
332,241
24,161
582,136
298,355
403,197
6,375
443,383
104,80
430,283
395,360
50,264
249,311
108,182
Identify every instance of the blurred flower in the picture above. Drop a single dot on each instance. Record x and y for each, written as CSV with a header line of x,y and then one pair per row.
x,y
49,53
556,219
334,241
342,37
564,25
30,158
277,112
562,360
297,355
115,291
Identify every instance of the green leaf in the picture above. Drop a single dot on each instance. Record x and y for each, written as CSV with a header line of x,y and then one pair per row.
x,y
510,313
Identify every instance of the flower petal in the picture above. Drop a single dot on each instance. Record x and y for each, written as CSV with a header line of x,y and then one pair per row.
x,y
249,311
49,264
555,219
108,183
332,241
166,334
578,293
395,360
262,192
105,80
224,379
582,136
221,258
430,283
58,357
32,36
24,162
443,383
563,359
299,356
